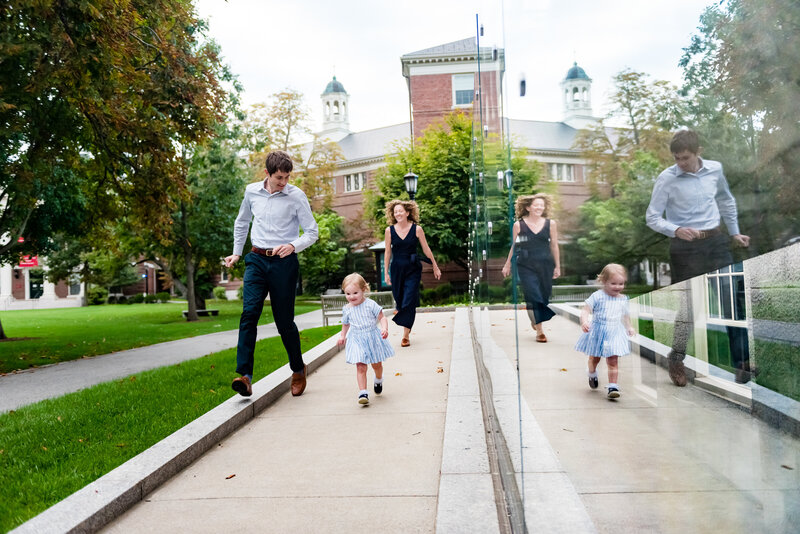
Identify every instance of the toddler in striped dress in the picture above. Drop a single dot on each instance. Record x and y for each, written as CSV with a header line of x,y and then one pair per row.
x,y
605,336
366,344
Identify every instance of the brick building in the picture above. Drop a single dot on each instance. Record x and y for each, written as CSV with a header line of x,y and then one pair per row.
x,y
442,79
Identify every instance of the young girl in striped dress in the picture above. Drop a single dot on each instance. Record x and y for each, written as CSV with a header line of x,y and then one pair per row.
x,y
605,336
366,344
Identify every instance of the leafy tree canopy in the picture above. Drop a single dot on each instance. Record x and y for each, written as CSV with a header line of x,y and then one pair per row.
x,y
443,157
99,95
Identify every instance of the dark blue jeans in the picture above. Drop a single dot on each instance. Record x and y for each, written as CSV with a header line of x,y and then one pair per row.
x,y
277,277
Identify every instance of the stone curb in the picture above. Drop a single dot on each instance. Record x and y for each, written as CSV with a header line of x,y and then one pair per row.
x,y
466,501
98,503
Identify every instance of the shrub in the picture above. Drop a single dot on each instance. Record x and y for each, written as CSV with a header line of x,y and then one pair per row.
x,y
138,298
427,297
96,295
150,299
219,293
162,296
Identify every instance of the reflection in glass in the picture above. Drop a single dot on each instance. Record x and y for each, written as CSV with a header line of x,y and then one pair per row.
x,y
726,444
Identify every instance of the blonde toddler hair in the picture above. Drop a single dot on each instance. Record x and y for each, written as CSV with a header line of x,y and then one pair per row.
x,y
610,270
355,279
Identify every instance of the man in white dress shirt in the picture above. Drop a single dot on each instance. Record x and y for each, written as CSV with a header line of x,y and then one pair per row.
x,y
278,210
688,201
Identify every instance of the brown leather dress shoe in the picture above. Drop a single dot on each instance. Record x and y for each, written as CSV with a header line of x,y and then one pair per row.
x,y
677,373
299,382
541,338
242,386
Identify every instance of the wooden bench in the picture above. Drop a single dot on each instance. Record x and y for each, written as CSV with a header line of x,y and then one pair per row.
x,y
202,313
332,304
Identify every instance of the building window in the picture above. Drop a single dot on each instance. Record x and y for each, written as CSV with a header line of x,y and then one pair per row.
x,y
463,89
726,298
74,285
223,276
354,182
562,172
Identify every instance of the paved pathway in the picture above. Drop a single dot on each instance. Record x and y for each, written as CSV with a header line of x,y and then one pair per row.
x,y
321,462
33,385
661,458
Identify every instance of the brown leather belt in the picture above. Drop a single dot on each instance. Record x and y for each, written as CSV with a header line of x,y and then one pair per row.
x,y
705,234
263,251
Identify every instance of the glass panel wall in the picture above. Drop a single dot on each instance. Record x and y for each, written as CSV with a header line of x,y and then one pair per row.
x,y
682,392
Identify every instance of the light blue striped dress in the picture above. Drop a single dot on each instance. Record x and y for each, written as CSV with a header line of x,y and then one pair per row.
x,y
364,341
606,336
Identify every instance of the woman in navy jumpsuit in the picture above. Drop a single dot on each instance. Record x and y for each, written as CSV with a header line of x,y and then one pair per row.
x,y
402,263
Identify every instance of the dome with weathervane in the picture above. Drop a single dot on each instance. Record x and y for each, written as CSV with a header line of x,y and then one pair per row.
x,y
574,73
334,86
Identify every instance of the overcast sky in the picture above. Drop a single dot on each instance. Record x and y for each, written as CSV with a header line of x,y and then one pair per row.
x,y
301,44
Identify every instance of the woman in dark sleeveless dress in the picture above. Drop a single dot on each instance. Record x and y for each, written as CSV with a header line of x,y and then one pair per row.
x,y
404,270
538,261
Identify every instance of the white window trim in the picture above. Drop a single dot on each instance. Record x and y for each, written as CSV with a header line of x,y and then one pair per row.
x,y
354,183
458,82
724,321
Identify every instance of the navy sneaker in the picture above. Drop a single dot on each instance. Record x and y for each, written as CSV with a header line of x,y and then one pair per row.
x,y
378,388
613,392
593,382
363,398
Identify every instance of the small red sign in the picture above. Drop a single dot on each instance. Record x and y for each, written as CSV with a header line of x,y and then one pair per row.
x,y
29,261
20,239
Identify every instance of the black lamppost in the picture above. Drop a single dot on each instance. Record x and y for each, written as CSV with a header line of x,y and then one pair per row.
x,y
411,180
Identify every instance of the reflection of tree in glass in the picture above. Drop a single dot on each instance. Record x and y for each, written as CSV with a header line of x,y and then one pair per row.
x,y
741,75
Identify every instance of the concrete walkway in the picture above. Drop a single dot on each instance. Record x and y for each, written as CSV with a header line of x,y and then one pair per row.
x,y
40,383
660,459
322,462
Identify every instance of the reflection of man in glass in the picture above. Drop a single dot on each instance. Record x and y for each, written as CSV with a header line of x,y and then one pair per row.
x,y
688,201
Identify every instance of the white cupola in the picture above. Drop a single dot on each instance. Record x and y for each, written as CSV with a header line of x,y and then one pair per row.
x,y
335,111
576,90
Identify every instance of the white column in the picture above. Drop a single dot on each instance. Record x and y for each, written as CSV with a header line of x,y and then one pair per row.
x,y
6,276
49,288
6,279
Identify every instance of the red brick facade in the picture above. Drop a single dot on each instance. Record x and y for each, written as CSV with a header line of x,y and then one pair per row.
x,y
432,99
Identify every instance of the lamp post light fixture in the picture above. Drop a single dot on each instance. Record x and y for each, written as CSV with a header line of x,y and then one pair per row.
x,y
411,180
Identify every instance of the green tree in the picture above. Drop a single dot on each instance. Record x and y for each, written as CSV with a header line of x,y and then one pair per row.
x,y
442,157
623,163
96,259
741,74
190,251
282,125
322,263
613,229
99,94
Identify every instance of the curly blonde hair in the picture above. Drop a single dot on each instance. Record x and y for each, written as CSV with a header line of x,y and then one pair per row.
x,y
610,270
410,206
355,279
524,202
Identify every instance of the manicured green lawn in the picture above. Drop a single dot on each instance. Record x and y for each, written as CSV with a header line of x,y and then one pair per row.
x,y
43,337
51,449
